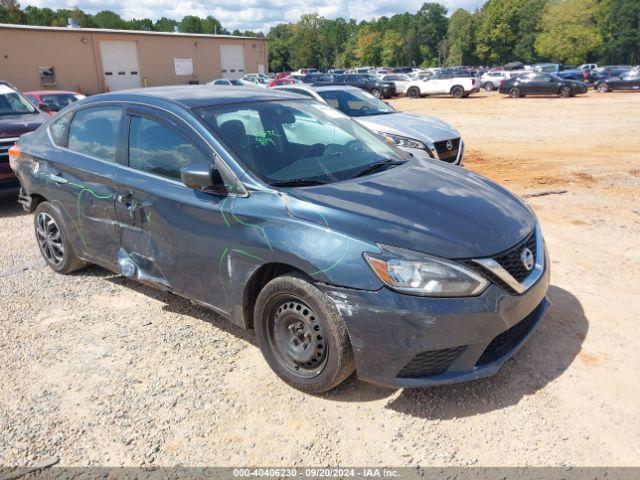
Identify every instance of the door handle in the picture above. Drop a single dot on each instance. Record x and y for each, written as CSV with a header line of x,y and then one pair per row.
x,y
58,179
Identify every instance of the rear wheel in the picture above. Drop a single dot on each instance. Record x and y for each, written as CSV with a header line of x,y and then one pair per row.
x,y
413,92
489,87
53,240
565,92
457,92
603,88
514,92
302,335
376,93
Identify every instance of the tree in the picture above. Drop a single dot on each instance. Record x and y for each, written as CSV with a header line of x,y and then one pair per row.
x,y
39,16
430,24
529,13
142,24
191,24
391,48
280,47
497,31
461,38
10,12
619,26
213,26
165,24
306,45
367,49
568,31
109,19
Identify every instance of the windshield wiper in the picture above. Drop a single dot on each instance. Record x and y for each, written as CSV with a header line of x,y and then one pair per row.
x,y
298,182
374,167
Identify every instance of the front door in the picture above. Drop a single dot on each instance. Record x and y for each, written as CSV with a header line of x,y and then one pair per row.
x,y
170,235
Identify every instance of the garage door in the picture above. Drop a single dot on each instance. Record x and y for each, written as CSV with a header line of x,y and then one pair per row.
x,y
232,61
120,64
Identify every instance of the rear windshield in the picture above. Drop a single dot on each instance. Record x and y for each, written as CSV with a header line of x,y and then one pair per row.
x,y
12,103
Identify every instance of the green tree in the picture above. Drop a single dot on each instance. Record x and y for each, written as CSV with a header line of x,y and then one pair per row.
x,y
191,24
165,24
529,13
430,24
368,47
82,19
497,31
280,47
461,38
391,48
306,45
213,26
568,31
108,19
140,24
619,26
10,12
39,16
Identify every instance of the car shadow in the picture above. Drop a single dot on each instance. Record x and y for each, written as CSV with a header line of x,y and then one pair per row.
x,y
547,355
9,207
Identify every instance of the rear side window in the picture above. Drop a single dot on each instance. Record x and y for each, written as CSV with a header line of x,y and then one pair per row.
x,y
94,132
156,148
59,127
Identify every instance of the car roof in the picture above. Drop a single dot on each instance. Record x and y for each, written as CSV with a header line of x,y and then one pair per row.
x,y
194,96
325,88
50,92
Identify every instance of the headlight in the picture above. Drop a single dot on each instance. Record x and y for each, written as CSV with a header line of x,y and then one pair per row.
x,y
403,141
420,274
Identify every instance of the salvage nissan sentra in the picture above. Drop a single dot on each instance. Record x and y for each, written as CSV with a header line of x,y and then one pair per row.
x,y
282,214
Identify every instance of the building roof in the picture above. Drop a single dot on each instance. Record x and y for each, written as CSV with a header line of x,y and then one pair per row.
x,y
194,96
129,32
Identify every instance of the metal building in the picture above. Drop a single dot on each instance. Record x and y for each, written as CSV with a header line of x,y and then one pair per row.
x,y
92,60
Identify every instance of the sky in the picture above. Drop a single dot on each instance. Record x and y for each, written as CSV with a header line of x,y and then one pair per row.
x,y
251,14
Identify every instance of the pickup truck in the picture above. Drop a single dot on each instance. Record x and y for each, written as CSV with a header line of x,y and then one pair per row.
x,y
443,83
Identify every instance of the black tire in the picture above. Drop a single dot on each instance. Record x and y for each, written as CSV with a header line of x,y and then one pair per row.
x,y
603,88
514,92
565,92
53,240
302,335
413,92
489,87
457,91
376,92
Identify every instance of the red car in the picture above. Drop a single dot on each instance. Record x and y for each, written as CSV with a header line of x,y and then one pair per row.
x,y
283,81
51,101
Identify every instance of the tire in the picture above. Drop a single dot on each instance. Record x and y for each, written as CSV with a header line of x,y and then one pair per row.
x,y
302,335
53,240
565,92
375,92
514,92
603,88
457,91
489,87
413,92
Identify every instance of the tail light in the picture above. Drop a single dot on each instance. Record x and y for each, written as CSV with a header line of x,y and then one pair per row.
x,y
502,81
14,155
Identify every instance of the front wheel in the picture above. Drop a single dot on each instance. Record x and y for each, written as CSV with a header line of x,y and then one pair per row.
x,y
565,92
413,92
376,93
53,240
302,335
457,92
603,88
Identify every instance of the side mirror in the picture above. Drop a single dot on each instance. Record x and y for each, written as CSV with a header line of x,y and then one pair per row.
x,y
44,107
202,176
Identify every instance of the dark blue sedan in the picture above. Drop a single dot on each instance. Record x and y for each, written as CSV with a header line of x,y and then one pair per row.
x,y
283,215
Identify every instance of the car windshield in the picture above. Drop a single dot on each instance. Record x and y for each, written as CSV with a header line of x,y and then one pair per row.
x,y
372,78
58,101
296,141
355,103
12,103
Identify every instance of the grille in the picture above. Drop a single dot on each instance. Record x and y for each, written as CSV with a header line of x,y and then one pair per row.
x,y
444,153
510,260
508,340
5,145
430,363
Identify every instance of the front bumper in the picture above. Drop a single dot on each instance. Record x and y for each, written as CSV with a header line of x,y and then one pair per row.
x,y
395,337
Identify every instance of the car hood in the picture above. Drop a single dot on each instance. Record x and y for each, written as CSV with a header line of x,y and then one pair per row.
x,y
420,127
423,205
16,125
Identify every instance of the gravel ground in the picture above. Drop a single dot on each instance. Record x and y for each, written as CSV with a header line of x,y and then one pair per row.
x,y
98,370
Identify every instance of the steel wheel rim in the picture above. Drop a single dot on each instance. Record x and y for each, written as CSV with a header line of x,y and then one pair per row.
x,y
296,337
50,239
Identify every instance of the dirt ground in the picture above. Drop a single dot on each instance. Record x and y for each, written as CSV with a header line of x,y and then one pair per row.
x,y
98,370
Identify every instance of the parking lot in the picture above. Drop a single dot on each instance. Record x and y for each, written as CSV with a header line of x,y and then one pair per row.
x,y
98,370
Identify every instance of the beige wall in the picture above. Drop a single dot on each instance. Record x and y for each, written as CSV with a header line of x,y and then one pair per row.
x,y
75,54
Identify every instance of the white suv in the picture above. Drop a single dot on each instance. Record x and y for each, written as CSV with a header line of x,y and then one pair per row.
x,y
447,83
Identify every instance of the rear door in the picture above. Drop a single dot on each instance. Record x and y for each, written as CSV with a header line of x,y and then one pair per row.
x,y
170,235
80,173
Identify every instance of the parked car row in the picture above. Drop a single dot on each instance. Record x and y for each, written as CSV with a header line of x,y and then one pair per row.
x,y
343,252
